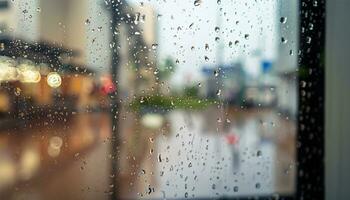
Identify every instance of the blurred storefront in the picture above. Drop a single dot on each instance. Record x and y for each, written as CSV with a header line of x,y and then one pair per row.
x,y
34,80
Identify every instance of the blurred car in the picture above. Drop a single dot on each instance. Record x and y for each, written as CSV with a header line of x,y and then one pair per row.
x,y
260,96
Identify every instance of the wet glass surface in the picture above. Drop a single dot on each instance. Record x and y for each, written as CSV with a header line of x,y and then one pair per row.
x,y
189,155
148,99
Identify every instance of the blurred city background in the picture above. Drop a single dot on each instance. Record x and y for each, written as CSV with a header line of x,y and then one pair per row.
x,y
147,99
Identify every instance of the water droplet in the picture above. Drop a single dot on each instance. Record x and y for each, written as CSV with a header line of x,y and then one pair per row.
x,y
156,72
218,92
303,84
217,39
206,58
284,40
235,188
308,40
217,29
230,44
283,20
137,18
87,21
154,46
246,36
236,42
197,2
216,73
206,46
291,52
199,84
258,153
218,2
18,91
143,19
151,140
38,9
311,26
257,185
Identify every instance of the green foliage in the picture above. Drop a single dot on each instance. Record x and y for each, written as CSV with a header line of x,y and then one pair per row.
x,y
191,91
169,103
166,69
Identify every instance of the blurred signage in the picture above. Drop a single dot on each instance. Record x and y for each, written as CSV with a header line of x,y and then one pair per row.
x,y
266,66
107,86
224,69
232,139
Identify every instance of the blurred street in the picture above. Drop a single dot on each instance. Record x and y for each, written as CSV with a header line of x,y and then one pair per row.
x,y
197,154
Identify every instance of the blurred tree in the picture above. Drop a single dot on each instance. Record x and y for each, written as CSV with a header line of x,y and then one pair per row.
x,y
166,69
191,91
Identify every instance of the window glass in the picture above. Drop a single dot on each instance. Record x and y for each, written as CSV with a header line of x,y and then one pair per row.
x,y
157,99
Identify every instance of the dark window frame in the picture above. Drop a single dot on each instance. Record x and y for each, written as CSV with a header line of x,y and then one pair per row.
x,y
311,109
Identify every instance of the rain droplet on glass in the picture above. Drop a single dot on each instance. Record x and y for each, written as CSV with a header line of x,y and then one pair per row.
x,y
197,2
283,20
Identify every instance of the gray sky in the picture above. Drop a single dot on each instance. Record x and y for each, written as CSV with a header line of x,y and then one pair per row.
x,y
258,19
238,18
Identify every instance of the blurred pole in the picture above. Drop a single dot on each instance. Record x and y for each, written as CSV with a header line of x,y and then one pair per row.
x,y
119,14
115,8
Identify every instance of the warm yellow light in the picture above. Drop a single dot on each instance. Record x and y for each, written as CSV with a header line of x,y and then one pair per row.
x,y
30,76
28,73
54,148
8,71
54,80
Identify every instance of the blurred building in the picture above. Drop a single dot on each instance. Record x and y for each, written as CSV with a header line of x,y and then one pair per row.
x,y
40,71
72,25
64,23
20,19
